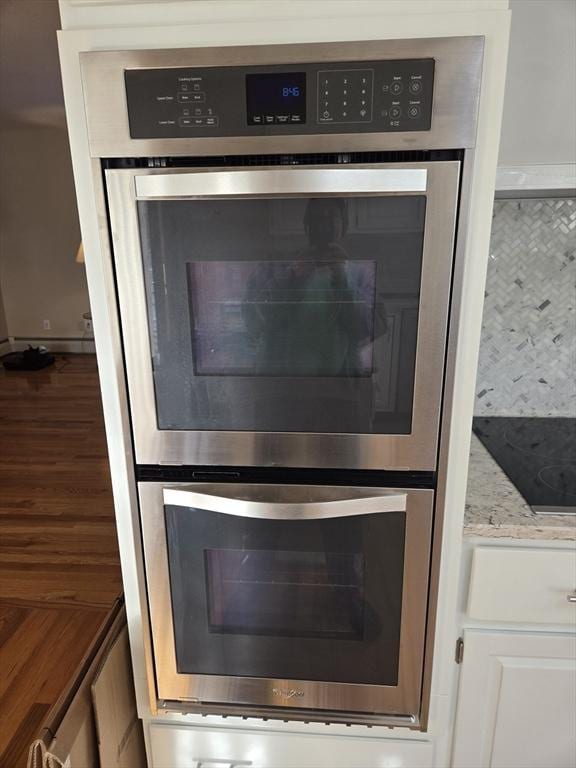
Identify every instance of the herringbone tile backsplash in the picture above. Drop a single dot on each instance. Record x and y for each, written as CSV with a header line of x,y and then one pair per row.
x,y
528,351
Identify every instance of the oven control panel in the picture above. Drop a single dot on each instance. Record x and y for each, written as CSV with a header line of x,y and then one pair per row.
x,y
334,97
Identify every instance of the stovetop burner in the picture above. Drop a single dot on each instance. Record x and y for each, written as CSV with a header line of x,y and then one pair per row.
x,y
539,443
561,478
538,455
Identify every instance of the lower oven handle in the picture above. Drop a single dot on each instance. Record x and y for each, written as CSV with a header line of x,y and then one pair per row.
x,y
272,510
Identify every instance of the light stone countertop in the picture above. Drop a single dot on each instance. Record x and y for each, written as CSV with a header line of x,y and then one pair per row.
x,y
495,509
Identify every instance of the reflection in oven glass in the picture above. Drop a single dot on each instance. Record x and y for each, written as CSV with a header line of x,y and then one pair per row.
x,y
304,594
282,318
311,316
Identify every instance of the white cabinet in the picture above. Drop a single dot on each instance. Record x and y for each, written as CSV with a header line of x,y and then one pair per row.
x,y
530,585
175,746
517,701
538,127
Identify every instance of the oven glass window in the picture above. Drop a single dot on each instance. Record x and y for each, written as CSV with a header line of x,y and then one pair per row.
x,y
282,318
284,315
306,594
317,599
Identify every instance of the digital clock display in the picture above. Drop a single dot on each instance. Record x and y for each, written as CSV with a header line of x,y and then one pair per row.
x,y
276,98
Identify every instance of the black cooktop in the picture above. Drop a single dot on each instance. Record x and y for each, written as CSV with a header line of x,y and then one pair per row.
x,y
538,455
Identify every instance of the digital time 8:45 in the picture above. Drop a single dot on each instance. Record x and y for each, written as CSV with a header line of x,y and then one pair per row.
x,y
291,90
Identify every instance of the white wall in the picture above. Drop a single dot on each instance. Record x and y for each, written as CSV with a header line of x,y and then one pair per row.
x,y
39,231
539,124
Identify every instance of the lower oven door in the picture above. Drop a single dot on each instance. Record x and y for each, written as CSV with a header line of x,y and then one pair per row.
x,y
308,597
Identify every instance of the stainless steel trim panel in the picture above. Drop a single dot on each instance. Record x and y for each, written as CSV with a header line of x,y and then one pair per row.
x,y
416,451
305,181
445,431
218,692
456,95
306,715
550,509
286,502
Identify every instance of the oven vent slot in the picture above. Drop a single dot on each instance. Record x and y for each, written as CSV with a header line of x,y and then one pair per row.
x,y
249,161
290,476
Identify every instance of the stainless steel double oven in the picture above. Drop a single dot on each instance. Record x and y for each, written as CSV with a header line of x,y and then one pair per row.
x,y
283,227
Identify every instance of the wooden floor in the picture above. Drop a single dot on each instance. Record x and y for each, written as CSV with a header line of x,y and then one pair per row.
x,y
59,567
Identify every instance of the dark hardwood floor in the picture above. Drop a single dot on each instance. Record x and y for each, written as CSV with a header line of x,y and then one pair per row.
x,y
59,566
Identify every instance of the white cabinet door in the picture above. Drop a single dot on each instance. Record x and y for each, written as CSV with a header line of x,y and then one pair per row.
x,y
517,701
175,746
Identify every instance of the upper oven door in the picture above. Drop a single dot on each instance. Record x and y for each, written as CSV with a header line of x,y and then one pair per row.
x,y
288,316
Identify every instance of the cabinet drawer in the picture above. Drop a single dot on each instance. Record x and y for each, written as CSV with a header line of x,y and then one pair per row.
x,y
190,747
522,585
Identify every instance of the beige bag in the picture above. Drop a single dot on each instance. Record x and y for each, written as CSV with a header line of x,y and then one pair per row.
x,y
39,757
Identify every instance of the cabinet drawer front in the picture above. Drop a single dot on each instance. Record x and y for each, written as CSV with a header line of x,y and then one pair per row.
x,y
523,585
189,747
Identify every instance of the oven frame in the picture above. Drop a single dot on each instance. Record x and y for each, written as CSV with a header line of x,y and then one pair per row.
x,y
439,181
399,705
94,88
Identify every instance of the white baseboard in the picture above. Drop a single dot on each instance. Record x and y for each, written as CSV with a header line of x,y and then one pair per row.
x,y
73,346
5,347
536,178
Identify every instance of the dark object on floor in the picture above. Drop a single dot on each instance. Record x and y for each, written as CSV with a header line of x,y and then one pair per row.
x,y
32,359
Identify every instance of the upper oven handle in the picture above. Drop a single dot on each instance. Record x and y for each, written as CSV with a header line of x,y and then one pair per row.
x,y
384,501
280,181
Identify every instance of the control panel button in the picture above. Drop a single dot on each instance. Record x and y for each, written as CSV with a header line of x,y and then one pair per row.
x,y
188,97
272,119
197,122
404,94
345,96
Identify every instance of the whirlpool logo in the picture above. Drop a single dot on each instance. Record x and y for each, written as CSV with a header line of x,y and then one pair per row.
x,y
288,693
